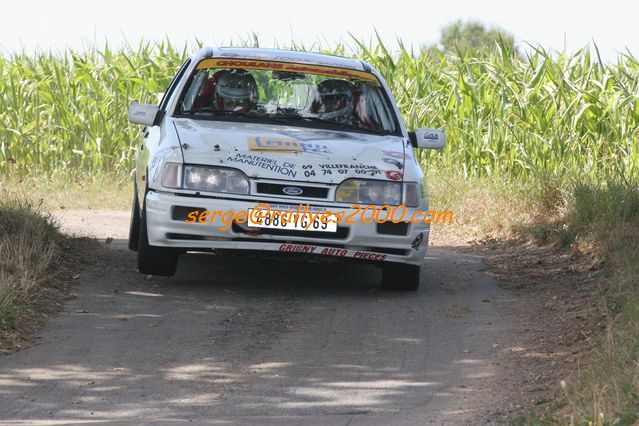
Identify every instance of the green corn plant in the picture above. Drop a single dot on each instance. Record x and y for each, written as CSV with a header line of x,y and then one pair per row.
x,y
548,114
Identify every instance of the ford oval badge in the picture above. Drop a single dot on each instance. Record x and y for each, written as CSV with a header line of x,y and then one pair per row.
x,y
292,190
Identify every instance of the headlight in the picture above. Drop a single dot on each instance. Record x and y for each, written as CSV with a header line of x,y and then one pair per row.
x,y
369,192
215,180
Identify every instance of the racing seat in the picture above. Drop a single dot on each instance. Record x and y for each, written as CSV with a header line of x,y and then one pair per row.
x,y
206,97
360,109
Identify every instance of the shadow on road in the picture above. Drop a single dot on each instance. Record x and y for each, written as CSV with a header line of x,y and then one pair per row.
x,y
235,337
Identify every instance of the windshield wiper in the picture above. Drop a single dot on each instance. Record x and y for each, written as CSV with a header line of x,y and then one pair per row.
x,y
332,123
194,111
282,119
232,114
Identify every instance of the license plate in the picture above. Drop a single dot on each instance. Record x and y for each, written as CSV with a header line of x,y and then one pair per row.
x,y
286,220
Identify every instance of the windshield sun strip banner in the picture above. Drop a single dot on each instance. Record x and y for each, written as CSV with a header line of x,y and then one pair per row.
x,y
288,66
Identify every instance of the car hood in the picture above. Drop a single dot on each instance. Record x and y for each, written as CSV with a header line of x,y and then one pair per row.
x,y
291,153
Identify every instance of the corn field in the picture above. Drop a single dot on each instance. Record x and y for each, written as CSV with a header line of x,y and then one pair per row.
x,y
545,114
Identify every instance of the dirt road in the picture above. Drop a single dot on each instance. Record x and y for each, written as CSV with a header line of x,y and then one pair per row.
x,y
255,342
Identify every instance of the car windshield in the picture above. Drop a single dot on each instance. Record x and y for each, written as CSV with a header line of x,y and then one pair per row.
x,y
287,93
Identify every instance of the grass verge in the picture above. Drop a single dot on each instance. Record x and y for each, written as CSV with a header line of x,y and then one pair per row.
x,y
30,244
606,390
35,268
60,192
558,225
492,207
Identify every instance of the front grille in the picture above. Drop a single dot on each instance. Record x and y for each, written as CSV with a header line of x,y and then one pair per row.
x,y
278,189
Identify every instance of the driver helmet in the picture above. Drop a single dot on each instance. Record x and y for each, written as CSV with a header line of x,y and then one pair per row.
x,y
335,99
236,90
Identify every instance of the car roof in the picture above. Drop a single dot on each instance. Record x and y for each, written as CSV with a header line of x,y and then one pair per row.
x,y
281,55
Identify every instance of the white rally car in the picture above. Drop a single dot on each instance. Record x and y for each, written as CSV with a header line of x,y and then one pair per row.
x,y
242,130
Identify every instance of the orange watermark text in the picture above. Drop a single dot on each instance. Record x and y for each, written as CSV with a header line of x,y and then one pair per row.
x,y
307,218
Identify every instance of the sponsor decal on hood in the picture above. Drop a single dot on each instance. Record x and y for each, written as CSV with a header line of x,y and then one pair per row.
x,y
291,153
261,143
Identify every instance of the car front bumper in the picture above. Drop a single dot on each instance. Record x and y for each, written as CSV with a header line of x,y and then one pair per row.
x,y
358,241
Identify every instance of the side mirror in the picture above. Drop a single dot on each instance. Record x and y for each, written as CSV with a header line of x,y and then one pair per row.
x,y
428,138
143,114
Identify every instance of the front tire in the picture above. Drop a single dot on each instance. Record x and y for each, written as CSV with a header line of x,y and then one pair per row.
x,y
400,277
153,260
134,227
